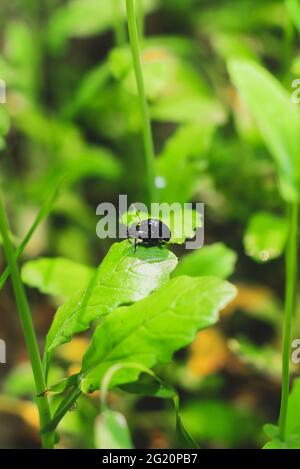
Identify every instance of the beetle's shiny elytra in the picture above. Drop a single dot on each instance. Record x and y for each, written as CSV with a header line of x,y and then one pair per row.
x,y
149,233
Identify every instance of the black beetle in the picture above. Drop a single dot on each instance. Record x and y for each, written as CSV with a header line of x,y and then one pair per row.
x,y
149,233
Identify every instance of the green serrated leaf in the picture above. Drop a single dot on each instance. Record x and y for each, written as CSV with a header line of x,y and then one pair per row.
x,y
216,260
265,236
150,331
57,276
277,118
122,278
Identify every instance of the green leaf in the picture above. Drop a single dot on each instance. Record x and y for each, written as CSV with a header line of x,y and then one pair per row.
x,y
112,432
277,118
221,422
272,431
216,260
181,162
294,10
20,382
265,236
57,276
291,442
4,120
150,331
90,85
70,153
4,124
122,278
83,19
293,414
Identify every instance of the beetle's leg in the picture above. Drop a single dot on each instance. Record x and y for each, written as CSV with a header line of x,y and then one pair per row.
x,y
135,245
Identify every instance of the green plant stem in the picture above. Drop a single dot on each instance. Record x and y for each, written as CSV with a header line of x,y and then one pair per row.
x,y
42,213
62,409
140,18
28,329
147,131
287,54
119,28
290,304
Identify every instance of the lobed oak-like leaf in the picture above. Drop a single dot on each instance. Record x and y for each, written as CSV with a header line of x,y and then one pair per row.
x,y
213,260
150,331
56,276
123,277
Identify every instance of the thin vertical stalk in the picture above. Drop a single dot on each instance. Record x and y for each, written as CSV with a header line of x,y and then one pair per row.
x,y
42,213
119,27
288,43
140,18
147,131
28,329
290,304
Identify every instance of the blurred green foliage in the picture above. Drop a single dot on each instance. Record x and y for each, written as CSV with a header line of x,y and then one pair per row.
x,y
218,77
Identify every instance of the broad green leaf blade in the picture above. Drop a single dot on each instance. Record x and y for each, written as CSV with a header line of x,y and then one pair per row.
x,y
148,383
112,432
57,276
150,331
181,162
289,443
90,85
214,260
222,422
277,118
19,382
272,431
265,236
122,278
